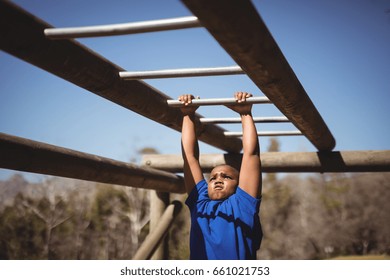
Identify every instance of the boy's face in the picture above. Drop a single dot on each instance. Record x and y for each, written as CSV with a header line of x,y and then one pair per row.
x,y
222,182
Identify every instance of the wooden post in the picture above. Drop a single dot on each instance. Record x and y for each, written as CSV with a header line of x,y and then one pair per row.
x,y
159,201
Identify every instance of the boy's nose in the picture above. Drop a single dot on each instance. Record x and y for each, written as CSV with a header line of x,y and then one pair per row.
x,y
218,180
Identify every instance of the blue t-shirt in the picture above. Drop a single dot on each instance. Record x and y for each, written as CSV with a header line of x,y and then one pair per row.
x,y
223,229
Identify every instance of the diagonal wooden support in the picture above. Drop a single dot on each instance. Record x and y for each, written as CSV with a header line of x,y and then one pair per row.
x,y
151,242
22,35
238,28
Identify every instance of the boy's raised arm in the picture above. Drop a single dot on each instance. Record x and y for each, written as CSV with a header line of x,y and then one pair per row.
x,y
189,143
250,172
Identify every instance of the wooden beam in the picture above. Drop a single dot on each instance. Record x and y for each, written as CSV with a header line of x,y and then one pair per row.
x,y
346,161
31,156
239,29
22,35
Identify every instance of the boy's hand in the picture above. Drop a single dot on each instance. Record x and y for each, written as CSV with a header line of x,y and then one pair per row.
x,y
186,99
242,107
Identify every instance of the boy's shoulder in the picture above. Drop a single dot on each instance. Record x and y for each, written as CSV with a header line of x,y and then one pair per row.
x,y
199,192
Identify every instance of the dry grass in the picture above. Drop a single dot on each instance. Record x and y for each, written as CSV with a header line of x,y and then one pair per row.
x,y
365,257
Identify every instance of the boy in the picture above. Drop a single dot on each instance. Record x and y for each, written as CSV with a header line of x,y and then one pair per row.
x,y
225,220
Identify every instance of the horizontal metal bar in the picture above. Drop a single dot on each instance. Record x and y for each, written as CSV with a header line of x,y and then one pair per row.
x,y
265,133
152,241
22,154
238,120
21,35
218,101
181,73
122,28
337,161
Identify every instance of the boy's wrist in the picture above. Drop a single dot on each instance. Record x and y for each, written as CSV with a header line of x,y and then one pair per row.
x,y
243,114
186,111
188,114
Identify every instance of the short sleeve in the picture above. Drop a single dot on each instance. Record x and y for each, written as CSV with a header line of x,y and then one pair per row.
x,y
250,204
198,193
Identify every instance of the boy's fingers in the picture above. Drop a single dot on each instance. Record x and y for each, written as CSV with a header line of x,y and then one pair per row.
x,y
242,96
186,98
238,96
181,98
248,95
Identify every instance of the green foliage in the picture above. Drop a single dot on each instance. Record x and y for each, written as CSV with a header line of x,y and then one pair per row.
x,y
333,192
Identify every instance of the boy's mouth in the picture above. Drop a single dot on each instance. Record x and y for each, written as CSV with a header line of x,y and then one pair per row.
x,y
218,187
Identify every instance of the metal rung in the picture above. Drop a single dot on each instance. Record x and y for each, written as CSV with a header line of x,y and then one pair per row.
x,y
180,73
265,133
123,28
219,101
238,120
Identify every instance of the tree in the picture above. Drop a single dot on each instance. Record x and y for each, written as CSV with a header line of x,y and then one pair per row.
x,y
52,212
21,232
278,202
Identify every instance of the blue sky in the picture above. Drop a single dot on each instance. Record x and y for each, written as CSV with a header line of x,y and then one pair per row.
x,y
339,50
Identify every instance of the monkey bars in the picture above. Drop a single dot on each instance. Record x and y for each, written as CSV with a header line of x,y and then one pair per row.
x,y
22,35
241,32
